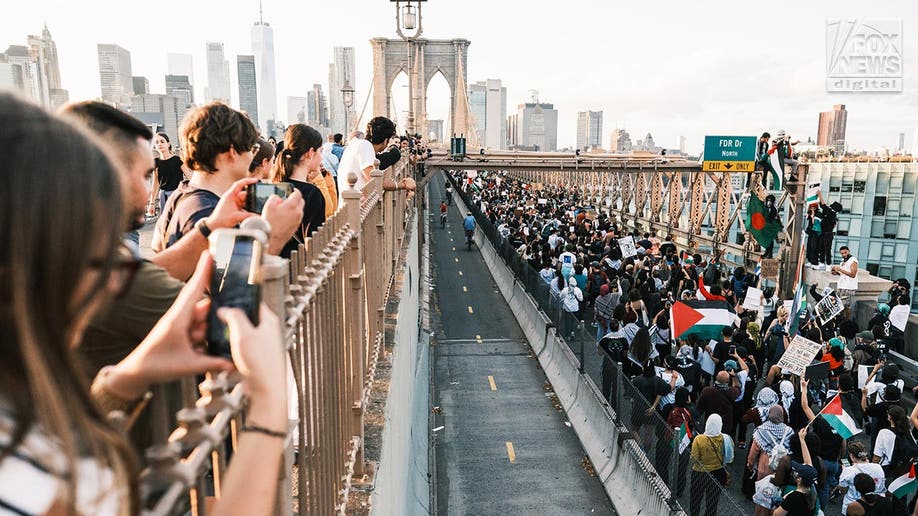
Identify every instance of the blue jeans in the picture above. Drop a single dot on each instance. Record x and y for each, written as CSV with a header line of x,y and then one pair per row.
x,y
832,471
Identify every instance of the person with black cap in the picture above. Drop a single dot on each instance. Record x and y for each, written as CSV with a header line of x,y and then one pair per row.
x,y
802,500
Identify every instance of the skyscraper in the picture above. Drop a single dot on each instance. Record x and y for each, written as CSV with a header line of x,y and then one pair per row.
x,y
297,110
488,104
263,49
535,125
157,109
589,129
45,69
20,71
832,126
179,87
317,107
341,72
115,74
248,91
620,141
181,64
141,85
218,80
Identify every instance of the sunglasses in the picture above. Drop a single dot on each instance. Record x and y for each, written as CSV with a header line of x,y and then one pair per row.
x,y
123,270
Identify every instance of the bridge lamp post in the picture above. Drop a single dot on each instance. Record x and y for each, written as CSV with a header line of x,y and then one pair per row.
x,y
347,96
408,18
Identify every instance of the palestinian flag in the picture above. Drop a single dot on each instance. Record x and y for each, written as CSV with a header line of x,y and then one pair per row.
x,y
843,424
683,437
772,163
904,485
757,223
706,319
812,193
798,309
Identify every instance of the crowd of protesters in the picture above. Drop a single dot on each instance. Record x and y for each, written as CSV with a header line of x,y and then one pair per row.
x,y
729,392
88,327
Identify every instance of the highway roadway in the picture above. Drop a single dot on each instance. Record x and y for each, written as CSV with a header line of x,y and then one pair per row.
x,y
501,445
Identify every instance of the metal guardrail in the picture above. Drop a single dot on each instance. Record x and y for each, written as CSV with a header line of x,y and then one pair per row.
x,y
331,302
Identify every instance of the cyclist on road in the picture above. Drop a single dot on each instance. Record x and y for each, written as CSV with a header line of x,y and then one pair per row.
x,y
469,224
443,211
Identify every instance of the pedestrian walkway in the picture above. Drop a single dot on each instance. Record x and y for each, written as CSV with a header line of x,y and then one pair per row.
x,y
502,446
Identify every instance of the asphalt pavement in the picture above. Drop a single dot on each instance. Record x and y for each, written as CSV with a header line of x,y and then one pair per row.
x,y
502,444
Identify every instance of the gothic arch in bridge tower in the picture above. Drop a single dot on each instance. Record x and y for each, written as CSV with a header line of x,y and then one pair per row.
x,y
428,57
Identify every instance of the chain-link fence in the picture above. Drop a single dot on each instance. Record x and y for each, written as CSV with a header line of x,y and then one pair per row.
x,y
697,492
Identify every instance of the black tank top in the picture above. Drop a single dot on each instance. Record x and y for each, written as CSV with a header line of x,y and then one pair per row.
x,y
169,172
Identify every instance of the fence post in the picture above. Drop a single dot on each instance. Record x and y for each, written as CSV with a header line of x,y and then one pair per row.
x,y
276,281
356,301
619,387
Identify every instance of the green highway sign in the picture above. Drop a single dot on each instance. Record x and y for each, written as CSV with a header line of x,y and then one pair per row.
x,y
729,153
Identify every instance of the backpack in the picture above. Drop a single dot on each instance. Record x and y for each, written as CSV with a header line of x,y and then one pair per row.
x,y
905,452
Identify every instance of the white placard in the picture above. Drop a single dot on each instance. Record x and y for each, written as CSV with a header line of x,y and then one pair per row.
x,y
627,246
753,299
706,362
863,371
799,355
829,307
898,316
789,305
543,201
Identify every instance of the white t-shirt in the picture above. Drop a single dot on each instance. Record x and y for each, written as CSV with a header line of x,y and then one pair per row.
x,y
847,282
667,377
884,445
358,155
875,387
847,480
31,478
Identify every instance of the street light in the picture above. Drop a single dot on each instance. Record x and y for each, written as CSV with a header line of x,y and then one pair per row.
x,y
408,18
347,96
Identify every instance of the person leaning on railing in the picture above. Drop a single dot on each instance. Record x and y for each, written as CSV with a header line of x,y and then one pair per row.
x,y
59,454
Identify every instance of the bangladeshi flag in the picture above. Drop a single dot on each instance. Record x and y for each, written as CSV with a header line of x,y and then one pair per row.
x,y
757,222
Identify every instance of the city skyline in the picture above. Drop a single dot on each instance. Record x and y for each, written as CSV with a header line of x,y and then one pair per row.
x,y
717,91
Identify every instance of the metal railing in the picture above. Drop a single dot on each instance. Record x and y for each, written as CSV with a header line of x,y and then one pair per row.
x,y
649,438
331,298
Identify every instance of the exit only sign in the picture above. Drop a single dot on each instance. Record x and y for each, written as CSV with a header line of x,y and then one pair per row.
x,y
729,153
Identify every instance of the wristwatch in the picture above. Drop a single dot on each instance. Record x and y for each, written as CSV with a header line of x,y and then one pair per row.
x,y
110,402
201,226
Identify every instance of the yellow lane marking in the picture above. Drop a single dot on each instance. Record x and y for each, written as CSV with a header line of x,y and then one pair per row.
x,y
511,454
457,260
491,381
470,310
454,248
478,338
464,289
460,273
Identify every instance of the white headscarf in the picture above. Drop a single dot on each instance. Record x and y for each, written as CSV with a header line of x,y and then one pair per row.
x,y
787,394
713,425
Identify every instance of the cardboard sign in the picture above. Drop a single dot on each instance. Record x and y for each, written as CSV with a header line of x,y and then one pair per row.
x,y
770,268
753,300
828,308
543,201
863,372
799,355
627,246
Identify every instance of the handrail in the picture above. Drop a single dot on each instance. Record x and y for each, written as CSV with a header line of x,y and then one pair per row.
x,y
331,304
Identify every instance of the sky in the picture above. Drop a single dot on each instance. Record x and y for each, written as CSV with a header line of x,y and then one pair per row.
x,y
666,67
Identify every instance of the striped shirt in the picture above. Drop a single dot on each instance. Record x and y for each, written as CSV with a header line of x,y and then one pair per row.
x,y
33,476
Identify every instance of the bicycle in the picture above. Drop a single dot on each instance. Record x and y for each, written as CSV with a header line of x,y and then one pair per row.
x,y
442,219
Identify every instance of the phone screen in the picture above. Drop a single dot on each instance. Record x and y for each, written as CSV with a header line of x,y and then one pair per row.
x,y
235,282
257,194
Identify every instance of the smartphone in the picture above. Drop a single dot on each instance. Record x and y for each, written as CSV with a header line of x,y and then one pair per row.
x,y
732,349
257,194
235,281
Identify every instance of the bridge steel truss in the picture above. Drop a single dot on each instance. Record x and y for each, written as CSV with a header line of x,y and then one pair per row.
x,y
699,209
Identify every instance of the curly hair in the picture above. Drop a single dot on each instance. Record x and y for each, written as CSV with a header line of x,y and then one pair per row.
x,y
213,129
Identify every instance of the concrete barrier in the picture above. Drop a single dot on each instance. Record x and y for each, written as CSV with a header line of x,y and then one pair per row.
x,y
402,481
627,475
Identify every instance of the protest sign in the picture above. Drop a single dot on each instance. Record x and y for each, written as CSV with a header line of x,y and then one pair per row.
x,y
543,201
863,372
753,300
898,316
769,268
627,246
799,355
829,307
